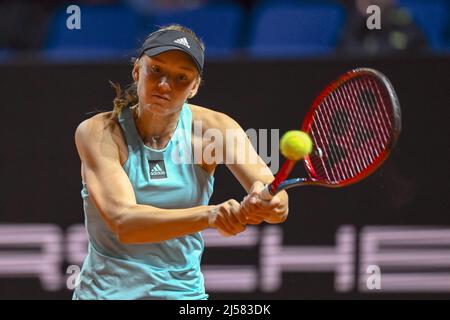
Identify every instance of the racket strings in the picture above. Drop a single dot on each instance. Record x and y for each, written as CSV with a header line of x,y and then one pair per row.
x,y
366,153
369,102
351,128
387,123
345,123
338,125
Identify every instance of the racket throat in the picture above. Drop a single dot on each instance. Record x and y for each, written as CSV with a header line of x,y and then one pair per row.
x,y
290,183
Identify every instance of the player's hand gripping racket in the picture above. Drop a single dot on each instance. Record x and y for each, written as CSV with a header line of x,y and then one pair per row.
x,y
353,124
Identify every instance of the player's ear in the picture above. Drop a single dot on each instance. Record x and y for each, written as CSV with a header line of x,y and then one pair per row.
x,y
195,88
135,71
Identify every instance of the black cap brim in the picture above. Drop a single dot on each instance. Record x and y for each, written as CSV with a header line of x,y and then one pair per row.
x,y
155,51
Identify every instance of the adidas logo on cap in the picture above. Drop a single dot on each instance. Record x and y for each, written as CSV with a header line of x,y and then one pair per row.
x,y
183,41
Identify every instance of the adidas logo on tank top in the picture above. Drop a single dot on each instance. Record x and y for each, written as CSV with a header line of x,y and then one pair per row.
x,y
157,169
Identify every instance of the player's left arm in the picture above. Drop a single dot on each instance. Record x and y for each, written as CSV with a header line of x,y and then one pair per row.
x,y
250,170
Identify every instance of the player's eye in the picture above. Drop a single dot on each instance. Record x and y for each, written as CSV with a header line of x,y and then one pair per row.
x,y
155,69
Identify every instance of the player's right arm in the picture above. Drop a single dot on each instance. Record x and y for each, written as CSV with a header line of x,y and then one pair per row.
x,y
112,194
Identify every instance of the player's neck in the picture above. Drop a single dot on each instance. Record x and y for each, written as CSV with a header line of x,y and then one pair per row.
x,y
155,130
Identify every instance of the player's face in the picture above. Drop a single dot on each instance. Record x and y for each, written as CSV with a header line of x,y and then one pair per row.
x,y
165,81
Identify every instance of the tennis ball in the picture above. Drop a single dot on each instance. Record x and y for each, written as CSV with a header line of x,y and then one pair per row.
x,y
295,145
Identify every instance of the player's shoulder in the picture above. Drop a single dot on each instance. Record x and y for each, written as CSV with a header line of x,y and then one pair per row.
x,y
210,118
97,126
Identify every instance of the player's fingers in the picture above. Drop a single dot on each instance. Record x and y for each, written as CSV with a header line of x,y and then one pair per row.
x,y
233,222
259,213
231,219
257,210
241,215
256,214
266,204
235,211
224,218
246,207
224,228
256,189
255,221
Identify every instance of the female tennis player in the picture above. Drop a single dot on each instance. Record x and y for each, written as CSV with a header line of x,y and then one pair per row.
x,y
145,194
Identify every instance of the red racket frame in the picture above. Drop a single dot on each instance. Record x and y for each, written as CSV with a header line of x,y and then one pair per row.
x,y
280,183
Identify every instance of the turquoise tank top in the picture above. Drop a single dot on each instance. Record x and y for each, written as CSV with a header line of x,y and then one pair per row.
x,y
168,179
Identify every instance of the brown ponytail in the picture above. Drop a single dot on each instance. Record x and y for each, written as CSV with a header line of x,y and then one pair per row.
x,y
123,99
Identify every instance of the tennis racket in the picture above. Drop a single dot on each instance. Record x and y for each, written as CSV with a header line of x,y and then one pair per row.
x,y
354,125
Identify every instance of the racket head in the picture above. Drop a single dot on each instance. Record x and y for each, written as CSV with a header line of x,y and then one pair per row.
x,y
354,124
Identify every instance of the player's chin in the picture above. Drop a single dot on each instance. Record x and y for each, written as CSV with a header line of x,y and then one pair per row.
x,y
160,108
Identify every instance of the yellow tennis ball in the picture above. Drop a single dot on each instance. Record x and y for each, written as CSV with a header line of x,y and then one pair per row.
x,y
295,145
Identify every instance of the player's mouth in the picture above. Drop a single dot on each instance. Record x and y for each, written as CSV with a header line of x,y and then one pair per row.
x,y
161,97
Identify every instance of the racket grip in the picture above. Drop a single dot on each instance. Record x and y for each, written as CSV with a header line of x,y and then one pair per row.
x,y
265,193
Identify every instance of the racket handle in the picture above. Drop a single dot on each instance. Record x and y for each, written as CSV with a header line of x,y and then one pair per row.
x,y
265,193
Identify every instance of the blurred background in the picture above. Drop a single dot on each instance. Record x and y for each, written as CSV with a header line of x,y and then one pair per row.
x,y
266,61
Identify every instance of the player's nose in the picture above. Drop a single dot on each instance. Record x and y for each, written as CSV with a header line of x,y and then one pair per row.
x,y
164,84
